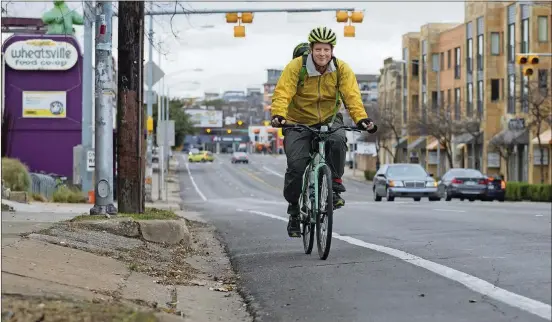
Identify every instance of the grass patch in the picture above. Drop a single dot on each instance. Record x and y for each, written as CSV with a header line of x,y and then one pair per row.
x,y
15,175
66,194
7,207
149,214
38,197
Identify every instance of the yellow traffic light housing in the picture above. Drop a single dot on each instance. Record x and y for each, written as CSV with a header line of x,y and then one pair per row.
x,y
349,31
522,59
240,123
208,130
357,16
342,16
533,60
528,71
229,131
527,59
231,17
247,17
149,124
239,31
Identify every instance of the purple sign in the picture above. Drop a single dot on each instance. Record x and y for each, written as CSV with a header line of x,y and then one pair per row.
x,y
43,101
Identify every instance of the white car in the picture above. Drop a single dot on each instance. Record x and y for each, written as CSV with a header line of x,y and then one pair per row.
x,y
240,157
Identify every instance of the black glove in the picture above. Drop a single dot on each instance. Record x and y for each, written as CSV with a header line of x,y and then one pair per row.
x,y
278,121
367,124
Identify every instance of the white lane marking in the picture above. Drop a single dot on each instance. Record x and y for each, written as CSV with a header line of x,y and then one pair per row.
x,y
273,172
194,183
475,284
449,210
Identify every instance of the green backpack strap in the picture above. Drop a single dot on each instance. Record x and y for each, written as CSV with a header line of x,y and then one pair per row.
x,y
338,95
303,71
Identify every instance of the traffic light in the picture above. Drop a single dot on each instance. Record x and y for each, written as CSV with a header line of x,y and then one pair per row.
x,y
342,16
208,131
229,131
149,124
357,16
240,123
247,17
349,31
528,59
231,17
239,31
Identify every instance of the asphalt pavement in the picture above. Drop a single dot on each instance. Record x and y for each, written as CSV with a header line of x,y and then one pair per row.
x,y
390,261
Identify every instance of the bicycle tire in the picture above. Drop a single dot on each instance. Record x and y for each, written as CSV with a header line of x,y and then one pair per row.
x,y
324,184
307,228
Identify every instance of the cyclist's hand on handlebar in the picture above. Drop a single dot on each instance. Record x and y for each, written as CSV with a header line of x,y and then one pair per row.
x,y
278,121
367,124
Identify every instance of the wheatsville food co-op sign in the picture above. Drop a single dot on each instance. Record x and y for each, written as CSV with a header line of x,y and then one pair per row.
x,y
41,54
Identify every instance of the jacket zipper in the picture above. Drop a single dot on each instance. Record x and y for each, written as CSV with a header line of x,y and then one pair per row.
x,y
318,102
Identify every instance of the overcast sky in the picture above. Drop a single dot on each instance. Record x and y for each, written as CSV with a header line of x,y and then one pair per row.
x,y
207,42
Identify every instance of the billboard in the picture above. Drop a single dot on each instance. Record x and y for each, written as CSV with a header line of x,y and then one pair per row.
x,y
205,118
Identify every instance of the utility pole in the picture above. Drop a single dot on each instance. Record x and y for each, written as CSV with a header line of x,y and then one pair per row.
x,y
160,145
87,111
104,112
130,125
149,113
166,144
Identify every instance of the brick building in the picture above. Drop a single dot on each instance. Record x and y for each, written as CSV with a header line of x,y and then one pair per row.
x,y
468,70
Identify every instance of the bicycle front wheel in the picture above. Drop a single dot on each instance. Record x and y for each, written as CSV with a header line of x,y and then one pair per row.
x,y
324,213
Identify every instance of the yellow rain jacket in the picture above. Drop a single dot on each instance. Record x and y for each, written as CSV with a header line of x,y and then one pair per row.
x,y
314,102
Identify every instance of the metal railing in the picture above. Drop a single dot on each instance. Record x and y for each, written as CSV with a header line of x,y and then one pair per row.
x,y
43,184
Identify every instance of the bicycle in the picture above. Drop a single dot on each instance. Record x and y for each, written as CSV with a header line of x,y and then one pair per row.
x,y
317,193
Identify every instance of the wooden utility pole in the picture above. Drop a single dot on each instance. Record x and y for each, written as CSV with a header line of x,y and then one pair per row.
x,y
130,113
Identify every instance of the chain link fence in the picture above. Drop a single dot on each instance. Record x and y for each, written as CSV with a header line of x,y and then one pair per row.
x,y
43,184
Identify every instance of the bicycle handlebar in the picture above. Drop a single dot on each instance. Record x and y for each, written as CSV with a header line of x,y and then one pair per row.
x,y
317,131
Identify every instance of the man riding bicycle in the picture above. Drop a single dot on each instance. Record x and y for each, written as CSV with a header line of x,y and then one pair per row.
x,y
312,101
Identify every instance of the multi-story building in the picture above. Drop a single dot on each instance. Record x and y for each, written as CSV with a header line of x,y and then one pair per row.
x,y
469,71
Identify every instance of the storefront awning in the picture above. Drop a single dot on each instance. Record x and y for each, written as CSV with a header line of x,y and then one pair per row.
x,y
545,138
433,146
401,144
466,138
511,137
418,144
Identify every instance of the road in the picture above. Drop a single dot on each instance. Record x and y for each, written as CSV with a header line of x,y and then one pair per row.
x,y
390,261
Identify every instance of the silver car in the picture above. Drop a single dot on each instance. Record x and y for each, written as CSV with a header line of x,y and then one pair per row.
x,y
404,180
240,157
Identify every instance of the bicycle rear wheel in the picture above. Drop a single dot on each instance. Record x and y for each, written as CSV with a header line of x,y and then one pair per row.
x,y
324,213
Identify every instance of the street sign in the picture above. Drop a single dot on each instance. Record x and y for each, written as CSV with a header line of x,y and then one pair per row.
x,y
161,133
148,97
157,73
90,161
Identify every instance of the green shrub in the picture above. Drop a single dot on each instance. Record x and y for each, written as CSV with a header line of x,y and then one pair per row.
x,y
15,175
68,195
369,174
521,191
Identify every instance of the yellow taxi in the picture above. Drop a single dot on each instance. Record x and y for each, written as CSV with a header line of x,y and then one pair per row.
x,y
201,156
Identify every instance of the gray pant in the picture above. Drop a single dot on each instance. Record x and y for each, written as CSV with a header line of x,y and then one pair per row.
x,y
297,144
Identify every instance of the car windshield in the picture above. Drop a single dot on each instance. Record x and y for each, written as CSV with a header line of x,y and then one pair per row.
x,y
407,170
470,173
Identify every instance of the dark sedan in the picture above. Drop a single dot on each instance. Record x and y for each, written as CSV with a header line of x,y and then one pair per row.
x,y
404,180
463,184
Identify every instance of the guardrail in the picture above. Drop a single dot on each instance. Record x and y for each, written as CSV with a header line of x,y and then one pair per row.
x,y
43,184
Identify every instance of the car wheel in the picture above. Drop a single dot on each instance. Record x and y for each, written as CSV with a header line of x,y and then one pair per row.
x,y
461,199
389,197
376,197
246,162
417,199
501,199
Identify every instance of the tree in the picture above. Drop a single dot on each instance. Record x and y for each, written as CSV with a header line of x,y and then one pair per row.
x,y
472,126
537,102
438,124
504,146
182,123
389,127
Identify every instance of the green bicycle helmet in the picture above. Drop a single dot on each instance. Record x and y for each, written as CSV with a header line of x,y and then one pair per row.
x,y
301,49
323,35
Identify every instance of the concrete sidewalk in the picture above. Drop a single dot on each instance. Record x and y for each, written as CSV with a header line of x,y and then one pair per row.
x,y
357,175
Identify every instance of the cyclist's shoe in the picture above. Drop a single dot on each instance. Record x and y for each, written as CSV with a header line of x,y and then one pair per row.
x,y
293,210
338,201
294,227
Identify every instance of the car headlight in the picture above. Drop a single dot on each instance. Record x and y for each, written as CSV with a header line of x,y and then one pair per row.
x,y
431,184
393,183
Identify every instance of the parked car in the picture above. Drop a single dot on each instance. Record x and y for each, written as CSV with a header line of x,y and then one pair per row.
x,y
240,157
404,180
202,156
496,189
463,184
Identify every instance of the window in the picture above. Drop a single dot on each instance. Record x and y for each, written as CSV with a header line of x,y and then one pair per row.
x,y
469,100
449,59
415,104
543,80
511,42
424,106
525,35
511,94
457,62
525,94
495,43
415,67
469,57
480,98
457,103
435,62
424,69
449,97
480,45
442,61
405,109
542,22
434,101
495,84
441,99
